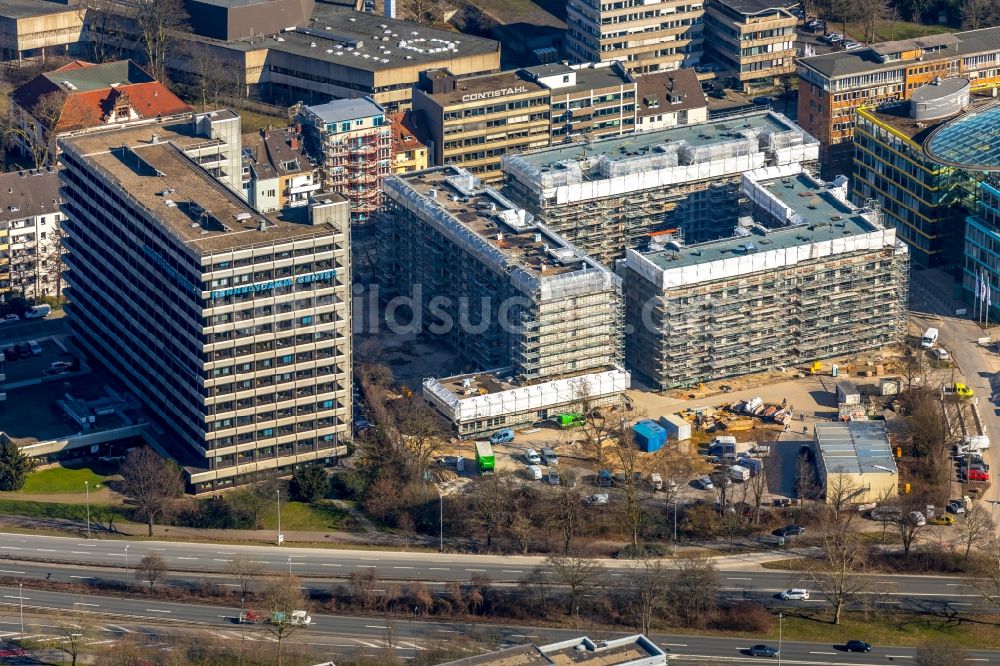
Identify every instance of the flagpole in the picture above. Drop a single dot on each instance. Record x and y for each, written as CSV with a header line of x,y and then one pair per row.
x,y
975,297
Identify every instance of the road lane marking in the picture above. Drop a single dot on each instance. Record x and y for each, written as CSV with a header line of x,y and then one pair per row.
x,y
443,631
79,552
413,645
120,628
81,603
83,577
218,553
47,550
368,566
374,626
12,597
20,573
438,569
404,567
187,558
109,640
365,643
87,545
811,652
216,559
738,579
976,659
675,644
898,656
511,571
157,610
331,565
479,570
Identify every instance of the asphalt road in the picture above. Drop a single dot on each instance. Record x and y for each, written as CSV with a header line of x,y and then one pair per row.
x,y
89,561
344,634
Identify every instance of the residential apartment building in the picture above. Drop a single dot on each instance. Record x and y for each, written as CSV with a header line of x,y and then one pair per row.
x,y
833,86
352,140
81,95
277,171
231,327
645,36
753,39
30,218
514,300
806,276
924,200
474,121
408,152
632,191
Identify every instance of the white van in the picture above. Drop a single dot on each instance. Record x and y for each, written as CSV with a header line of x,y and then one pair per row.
x,y
930,337
38,312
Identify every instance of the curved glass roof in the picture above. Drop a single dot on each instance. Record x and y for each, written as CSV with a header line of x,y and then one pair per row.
x,y
970,141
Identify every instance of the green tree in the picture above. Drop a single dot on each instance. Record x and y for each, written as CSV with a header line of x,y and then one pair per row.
x,y
15,466
309,483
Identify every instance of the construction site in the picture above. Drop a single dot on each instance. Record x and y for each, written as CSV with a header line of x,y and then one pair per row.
x,y
678,184
806,276
503,290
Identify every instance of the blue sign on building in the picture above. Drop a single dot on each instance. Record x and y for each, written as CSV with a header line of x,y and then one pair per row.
x,y
274,284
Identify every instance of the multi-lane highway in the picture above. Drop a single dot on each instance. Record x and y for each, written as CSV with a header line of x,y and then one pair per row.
x,y
333,635
24,556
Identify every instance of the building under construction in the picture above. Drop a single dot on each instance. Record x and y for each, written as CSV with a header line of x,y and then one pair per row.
x,y
806,276
681,183
542,319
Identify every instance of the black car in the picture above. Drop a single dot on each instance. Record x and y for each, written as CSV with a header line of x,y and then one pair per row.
x,y
790,530
858,646
763,651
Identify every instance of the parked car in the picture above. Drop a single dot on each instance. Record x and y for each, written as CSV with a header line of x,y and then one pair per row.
x,y
795,594
703,483
36,349
943,519
955,507
656,481
975,475
553,476
762,100
531,457
917,518
763,651
962,390
850,45
549,457
502,436
597,499
790,530
857,646
940,353
534,472
9,319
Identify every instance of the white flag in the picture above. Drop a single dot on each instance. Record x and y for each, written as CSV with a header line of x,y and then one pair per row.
x,y
982,289
975,293
989,294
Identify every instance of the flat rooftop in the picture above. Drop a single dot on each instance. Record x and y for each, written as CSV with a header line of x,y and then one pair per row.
x,y
594,78
496,220
582,651
488,382
21,9
346,109
823,218
855,447
634,145
203,213
342,36
488,83
897,116
936,47
751,7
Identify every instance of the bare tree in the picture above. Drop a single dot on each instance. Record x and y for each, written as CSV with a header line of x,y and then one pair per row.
x,y
577,574
245,571
152,566
566,510
908,528
150,482
978,14
693,589
72,633
104,25
36,138
836,573
421,430
157,20
641,594
52,264
977,529
425,12
282,597
598,426
629,459
254,501
492,502
913,366
870,12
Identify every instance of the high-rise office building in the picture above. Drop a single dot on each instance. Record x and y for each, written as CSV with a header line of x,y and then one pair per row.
x,y
645,36
231,327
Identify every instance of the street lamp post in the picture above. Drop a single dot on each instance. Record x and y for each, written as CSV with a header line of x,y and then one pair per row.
x,y
280,539
20,602
86,485
780,616
289,565
675,525
126,568
440,521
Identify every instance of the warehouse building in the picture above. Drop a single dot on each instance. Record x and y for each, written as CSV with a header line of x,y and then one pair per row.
x,y
232,328
633,191
856,458
502,292
806,276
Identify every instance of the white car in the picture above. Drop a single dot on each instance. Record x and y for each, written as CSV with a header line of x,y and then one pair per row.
x,y
534,472
598,499
917,518
795,594
531,457
940,353
9,319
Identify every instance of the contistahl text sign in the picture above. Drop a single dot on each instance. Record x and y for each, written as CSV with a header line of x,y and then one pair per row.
x,y
499,92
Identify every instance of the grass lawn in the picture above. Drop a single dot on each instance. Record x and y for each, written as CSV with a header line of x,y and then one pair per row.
x,y
890,629
67,479
254,122
322,515
12,507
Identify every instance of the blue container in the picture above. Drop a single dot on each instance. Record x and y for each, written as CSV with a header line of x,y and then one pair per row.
x,y
649,435
753,464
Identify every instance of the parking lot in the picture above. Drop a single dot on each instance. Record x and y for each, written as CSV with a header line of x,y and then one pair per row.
x,y
36,367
